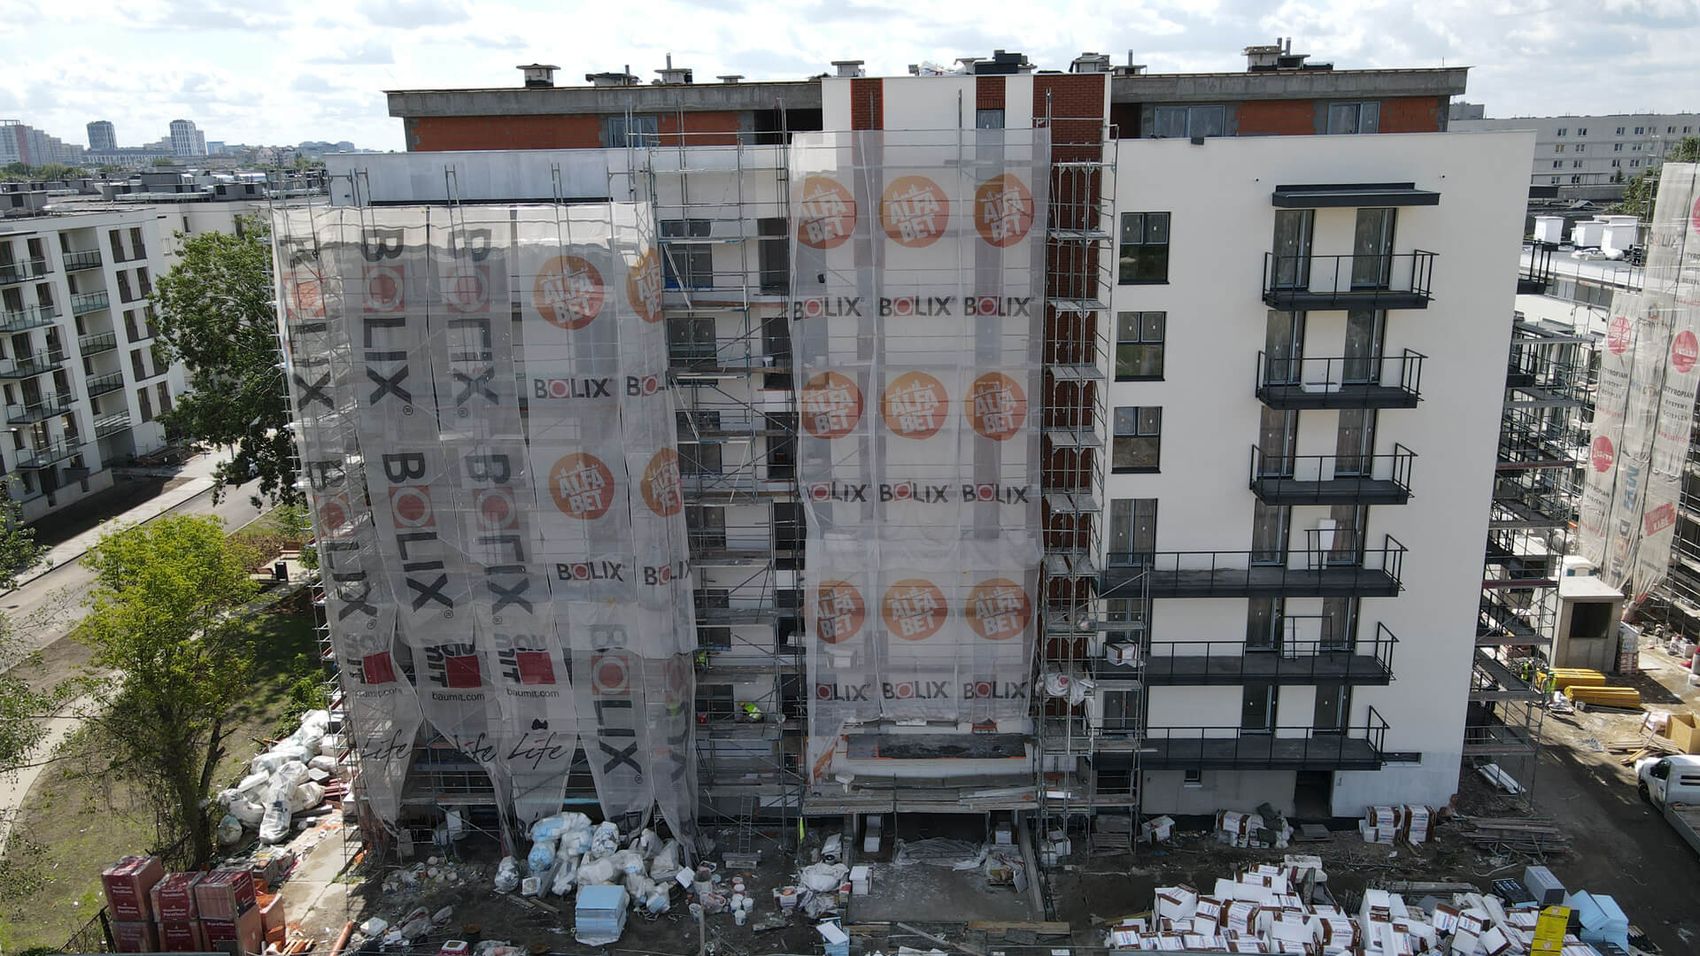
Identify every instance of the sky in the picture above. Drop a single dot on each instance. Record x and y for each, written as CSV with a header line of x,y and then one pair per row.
x,y
275,73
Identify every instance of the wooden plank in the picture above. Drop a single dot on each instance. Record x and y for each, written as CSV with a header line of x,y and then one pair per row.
x,y
1049,928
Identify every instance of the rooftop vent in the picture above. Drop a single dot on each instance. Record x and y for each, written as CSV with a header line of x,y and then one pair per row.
x,y
730,77
1269,58
628,78
848,68
670,75
1002,63
1090,63
538,75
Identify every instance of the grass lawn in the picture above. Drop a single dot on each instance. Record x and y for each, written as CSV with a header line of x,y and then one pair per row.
x,y
76,822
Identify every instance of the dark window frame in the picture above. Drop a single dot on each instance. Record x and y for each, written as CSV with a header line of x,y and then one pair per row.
x,y
1141,343
1143,249
1144,441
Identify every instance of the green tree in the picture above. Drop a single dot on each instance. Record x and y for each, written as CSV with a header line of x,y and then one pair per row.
x,y
171,664
215,313
21,707
1639,195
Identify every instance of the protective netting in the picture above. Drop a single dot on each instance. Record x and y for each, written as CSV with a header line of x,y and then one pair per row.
x,y
488,434
917,284
1644,407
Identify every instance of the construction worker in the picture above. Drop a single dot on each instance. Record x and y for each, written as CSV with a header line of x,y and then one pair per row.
x,y
752,713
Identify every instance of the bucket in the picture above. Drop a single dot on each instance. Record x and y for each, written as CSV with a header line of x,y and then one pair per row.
x,y
740,916
787,897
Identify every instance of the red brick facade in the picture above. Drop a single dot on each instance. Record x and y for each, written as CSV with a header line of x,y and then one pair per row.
x,y
1277,117
988,93
701,129
1412,114
427,134
867,103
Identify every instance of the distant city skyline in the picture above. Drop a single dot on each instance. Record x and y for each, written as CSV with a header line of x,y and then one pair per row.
x,y
255,74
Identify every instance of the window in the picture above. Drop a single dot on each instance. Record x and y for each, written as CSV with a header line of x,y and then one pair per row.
x,y
988,119
1575,180
1640,131
1581,147
1558,164
1192,777
775,253
1616,163
186,229
1562,131
1188,121
690,340
1138,439
117,245
1634,163
137,249
164,398
1133,532
1688,129
714,701
145,403
1635,147
1139,346
123,286
1554,181
1617,147
1145,248
688,263
1354,117
1620,131
1576,164
1559,148
699,458
143,282
1581,131
627,130
136,366
160,360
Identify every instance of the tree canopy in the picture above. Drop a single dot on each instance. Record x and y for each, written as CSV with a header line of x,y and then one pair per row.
x,y
20,706
215,313
1639,195
168,654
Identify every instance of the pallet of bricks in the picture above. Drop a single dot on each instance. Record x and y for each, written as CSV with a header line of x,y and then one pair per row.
x,y
1388,825
152,911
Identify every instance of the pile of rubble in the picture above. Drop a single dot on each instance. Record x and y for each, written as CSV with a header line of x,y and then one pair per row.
x,y
1287,908
293,780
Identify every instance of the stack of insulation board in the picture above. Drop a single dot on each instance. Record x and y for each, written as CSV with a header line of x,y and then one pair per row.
x,y
1563,678
1625,697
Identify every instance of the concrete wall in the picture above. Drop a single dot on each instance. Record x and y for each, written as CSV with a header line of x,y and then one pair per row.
x,y
1166,791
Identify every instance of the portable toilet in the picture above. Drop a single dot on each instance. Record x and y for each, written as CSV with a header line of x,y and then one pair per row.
x,y
1619,235
600,916
1549,229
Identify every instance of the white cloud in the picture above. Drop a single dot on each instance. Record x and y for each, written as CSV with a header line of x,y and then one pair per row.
x,y
269,74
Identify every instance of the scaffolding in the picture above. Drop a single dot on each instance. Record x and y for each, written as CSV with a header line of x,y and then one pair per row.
x,y
1549,383
1089,702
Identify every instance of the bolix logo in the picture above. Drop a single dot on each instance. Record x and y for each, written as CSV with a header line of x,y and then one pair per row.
x,y
914,405
841,692
660,485
306,296
568,292
827,213
913,609
997,406
472,363
839,611
572,388
581,571
1003,210
643,286
830,405
999,609
995,690
914,211
467,289
382,288
582,486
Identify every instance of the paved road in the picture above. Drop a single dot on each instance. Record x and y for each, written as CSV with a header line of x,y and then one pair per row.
x,y
45,609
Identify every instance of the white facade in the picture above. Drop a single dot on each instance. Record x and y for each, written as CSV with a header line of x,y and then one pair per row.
x,y
1594,150
186,140
1221,223
80,381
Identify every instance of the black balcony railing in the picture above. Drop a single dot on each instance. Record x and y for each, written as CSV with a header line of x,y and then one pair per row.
x,y
1289,661
1356,747
82,259
36,363
28,317
1391,381
23,270
111,424
101,384
48,407
1329,566
1332,479
97,342
86,302
1536,273
47,455
1398,280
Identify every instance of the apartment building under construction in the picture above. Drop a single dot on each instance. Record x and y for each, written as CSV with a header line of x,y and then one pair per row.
x,y
1191,384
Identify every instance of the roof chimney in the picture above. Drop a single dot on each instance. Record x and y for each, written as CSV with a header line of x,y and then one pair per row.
x,y
1091,63
538,75
612,79
730,77
670,75
848,68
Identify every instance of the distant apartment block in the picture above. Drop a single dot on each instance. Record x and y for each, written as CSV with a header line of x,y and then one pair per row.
x,y
22,143
1589,150
103,138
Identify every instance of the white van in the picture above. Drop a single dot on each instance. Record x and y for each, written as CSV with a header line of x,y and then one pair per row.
x,y
1668,780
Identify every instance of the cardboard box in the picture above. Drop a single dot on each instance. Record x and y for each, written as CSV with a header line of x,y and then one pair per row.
x,y
129,884
224,894
135,937
182,936
173,898
1683,730
244,935
272,919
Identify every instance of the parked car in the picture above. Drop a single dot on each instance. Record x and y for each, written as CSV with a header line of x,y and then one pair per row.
x,y
1672,784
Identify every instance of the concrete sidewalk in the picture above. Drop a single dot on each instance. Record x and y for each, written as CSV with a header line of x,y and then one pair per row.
x,y
194,478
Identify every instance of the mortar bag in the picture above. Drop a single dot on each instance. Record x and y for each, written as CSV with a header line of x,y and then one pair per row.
x,y
306,796
823,877
666,862
604,840
229,830
249,813
541,857
638,886
271,760
274,826
507,875
659,900
566,875
575,838
549,828
595,872
289,775
322,762
628,862
647,843
253,784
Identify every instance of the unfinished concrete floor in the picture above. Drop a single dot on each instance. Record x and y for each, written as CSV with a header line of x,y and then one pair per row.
x,y
921,893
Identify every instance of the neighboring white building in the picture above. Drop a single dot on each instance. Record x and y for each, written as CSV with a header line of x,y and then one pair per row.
x,y
1591,150
81,380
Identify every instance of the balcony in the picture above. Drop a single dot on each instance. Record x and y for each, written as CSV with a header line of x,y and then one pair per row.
x,y
1281,748
86,302
82,259
1332,479
1298,383
1294,661
101,384
109,425
97,343
49,407
26,318
1391,281
23,270
48,455
1316,571
28,366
